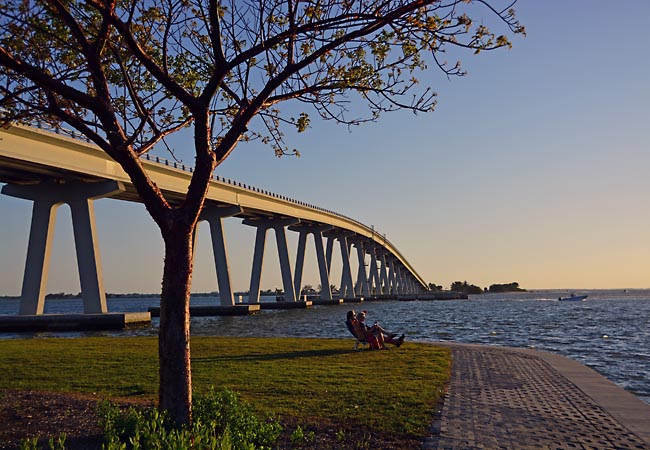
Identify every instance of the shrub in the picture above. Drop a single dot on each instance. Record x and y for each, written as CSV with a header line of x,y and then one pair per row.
x,y
222,421
53,444
299,436
223,412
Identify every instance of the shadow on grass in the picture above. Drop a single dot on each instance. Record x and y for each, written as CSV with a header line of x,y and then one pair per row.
x,y
276,356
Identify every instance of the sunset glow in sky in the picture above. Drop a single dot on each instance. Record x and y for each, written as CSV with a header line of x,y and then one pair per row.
x,y
534,168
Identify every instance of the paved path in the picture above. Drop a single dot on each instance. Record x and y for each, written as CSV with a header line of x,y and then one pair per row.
x,y
504,398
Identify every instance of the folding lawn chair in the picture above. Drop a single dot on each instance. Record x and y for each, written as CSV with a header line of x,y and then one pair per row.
x,y
360,340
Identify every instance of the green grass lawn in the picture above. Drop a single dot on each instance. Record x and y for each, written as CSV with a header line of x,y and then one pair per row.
x,y
392,391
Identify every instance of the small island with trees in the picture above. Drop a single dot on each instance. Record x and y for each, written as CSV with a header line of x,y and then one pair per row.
x,y
466,288
510,287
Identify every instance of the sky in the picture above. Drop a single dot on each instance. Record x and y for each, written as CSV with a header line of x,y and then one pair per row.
x,y
533,168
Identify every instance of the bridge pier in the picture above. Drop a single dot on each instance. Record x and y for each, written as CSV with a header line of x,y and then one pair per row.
x,y
392,279
47,197
373,279
407,284
346,289
214,215
383,273
404,283
323,267
278,225
362,285
399,281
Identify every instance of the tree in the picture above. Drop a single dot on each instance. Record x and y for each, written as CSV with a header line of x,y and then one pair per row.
x,y
465,288
127,73
508,287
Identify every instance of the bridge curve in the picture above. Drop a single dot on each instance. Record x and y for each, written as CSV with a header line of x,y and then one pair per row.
x,y
30,156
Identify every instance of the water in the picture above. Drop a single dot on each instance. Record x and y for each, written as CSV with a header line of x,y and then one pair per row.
x,y
610,332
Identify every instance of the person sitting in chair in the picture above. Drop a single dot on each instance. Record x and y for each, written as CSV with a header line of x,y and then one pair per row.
x,y
383,336
375,336
357,331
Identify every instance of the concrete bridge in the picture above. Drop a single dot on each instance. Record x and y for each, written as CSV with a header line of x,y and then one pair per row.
x,y
51,169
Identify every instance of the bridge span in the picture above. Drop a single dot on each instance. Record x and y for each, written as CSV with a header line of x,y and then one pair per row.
x,y
52,169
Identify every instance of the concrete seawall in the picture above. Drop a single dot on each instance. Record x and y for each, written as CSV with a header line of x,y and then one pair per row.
x,y
73,322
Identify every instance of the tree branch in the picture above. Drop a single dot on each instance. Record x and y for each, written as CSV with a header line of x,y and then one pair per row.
x,y
42,79
165,79
214,29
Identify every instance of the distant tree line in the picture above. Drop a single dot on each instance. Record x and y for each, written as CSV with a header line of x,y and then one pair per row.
x,y
509,287
61,295
457,286
467,288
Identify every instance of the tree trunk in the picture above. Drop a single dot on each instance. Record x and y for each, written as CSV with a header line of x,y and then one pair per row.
x,y
175,391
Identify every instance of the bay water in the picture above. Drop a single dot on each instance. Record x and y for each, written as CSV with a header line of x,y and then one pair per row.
x,y
609,332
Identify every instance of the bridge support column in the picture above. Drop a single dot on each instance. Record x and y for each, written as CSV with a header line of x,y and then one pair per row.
x,y
47,197
392,278
384,272
214,216
400,280
328,252
362,286
347,286
323,267
373,279
278,225
300,261
405,283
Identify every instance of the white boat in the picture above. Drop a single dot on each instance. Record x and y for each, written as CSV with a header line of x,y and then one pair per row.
x,y
573,298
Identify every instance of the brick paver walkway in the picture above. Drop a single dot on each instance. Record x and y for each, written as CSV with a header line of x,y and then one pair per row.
x,y
504,399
